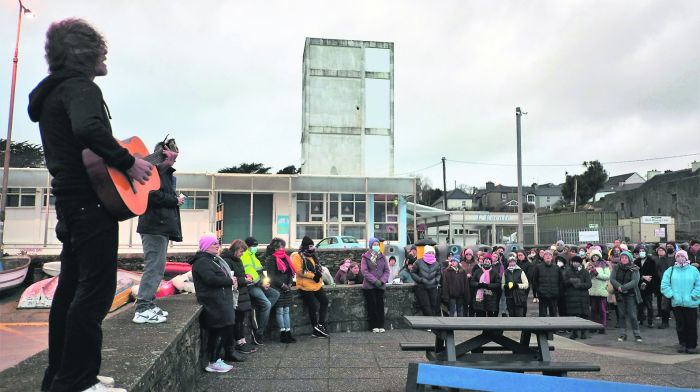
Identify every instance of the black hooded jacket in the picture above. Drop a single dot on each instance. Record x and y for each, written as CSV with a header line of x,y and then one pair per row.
x,y
73,116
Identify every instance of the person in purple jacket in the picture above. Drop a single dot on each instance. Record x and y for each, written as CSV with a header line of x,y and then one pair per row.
x,y
375,270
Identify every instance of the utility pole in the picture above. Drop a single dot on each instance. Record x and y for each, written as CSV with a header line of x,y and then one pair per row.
x,y
575,191
521,238
444,185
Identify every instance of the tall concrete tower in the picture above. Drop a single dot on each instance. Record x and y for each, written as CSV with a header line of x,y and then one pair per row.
x,y
348,108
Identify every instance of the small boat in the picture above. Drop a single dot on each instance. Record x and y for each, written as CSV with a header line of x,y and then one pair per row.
x,y
173,268
13,270
39,295
52,268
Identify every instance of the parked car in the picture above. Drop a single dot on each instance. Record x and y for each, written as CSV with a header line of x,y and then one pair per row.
x,y
339,242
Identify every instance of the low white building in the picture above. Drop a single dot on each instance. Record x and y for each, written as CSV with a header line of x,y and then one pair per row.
x,y
234,206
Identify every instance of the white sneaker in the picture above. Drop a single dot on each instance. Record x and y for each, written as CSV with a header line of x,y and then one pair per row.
x,y
382,330
106,381
99,387
224,364
148,316
160,312
375,330
217,367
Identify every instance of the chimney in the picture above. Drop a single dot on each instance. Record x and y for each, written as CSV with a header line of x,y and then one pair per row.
x,y
694,166
489,185
652,173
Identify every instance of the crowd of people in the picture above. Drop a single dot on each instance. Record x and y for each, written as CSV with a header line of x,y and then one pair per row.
x,y
586,282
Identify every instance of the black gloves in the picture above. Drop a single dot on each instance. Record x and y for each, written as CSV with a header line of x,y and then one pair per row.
x,y
378,283
317,277
482,286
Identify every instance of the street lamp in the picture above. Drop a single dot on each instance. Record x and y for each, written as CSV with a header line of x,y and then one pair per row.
x,y
6,165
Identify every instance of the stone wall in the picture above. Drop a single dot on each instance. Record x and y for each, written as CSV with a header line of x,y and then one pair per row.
x,y
346,310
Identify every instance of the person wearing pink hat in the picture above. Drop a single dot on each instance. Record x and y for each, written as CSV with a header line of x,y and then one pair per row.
x,y
213,282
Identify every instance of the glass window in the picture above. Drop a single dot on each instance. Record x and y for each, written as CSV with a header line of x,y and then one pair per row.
x,y
354,231
313,231
504,196
349,240
333,230
21,197
530,198
302,211
387,231
195,200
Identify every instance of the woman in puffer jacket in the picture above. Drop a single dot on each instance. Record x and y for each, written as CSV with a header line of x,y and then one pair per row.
x,y
681,284
426,275
600,276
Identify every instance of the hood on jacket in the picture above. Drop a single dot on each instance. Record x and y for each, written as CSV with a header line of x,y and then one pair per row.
x,y
196,256
44,88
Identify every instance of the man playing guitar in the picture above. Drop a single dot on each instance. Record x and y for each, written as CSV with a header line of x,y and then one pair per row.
x,y
72,116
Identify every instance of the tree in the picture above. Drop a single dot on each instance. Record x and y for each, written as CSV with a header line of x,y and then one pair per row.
x,y
23,154
291,169
589,183
250,168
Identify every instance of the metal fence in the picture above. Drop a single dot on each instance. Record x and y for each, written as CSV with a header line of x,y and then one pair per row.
x,y
571,236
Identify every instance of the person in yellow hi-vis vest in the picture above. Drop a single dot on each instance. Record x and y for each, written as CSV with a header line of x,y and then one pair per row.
x,y
262,295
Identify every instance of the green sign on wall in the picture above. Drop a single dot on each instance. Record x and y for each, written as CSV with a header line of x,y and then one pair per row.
x,y
282,224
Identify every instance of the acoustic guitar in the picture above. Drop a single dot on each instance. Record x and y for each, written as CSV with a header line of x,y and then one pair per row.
x,y
123,197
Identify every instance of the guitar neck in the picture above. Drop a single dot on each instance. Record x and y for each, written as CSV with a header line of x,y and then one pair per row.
x,y
154,159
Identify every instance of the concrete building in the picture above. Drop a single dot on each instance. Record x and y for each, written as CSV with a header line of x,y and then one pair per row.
x,y
236,206
545,196
504,198
348,108
672,194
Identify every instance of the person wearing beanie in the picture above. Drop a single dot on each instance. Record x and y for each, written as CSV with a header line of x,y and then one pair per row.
x,y
648,285
515,285
469,263
577,281
263,296
663,262
310,286
455,287
546,283
525,263
486,281
375,270
213,282
426,275
681,284
625,280
598,293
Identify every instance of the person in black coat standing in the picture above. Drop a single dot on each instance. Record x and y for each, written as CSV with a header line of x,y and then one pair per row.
x,y
243,309
213,281
486,281
426,274
663,262
648,285
577,281
546,285
279,266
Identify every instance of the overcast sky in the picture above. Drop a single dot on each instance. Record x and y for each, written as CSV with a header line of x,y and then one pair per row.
x,y
606,80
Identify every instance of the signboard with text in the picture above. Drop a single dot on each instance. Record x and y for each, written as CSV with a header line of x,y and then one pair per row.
x,y
588,236
661,232
659,220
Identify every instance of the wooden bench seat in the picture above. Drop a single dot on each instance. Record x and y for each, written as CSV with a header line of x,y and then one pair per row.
x,y
429,347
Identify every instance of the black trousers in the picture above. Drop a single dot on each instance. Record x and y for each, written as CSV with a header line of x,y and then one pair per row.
x,y
310,299
647,304
85,292
218,340
239,326
548,305
686,326
374,302
428,300
516,310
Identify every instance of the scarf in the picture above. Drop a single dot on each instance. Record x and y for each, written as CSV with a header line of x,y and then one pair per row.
x,y
222,264
429,258
682,262
283,261
306,264
373,257
484,278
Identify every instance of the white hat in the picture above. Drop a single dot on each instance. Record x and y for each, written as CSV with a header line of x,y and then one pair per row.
x,y
428,249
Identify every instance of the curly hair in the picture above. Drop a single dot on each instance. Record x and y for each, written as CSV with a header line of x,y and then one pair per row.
x,y
73,45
